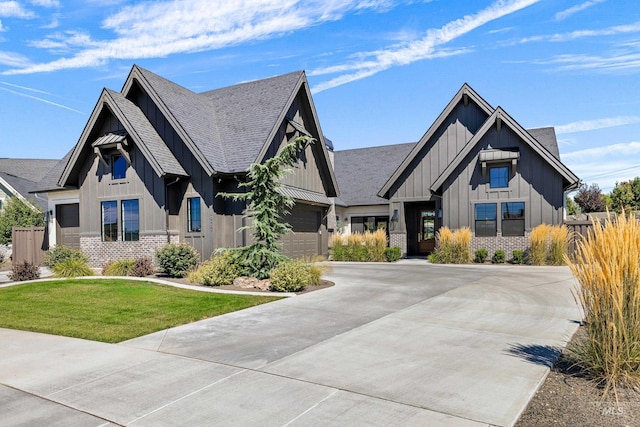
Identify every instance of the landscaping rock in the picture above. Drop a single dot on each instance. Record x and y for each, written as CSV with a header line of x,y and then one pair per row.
x,y
263,285
245,282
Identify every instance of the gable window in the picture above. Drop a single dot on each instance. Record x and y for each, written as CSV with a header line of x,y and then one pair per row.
x,y
109,221
118,167
130,220
499,177
193,214
513,219
486,219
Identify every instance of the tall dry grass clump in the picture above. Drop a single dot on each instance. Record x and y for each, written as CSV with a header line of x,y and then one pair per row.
x,y
558,244
454,247
375,242
539,244
368,246
607,265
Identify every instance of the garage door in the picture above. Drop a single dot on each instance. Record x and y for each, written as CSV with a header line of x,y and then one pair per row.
x,y
305,239
68,225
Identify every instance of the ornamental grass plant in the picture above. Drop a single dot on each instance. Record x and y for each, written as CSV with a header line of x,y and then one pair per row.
x,y
558,244
454,247
607,265
367,246
539,244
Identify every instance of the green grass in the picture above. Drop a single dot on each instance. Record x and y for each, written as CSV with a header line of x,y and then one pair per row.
x,y
110,310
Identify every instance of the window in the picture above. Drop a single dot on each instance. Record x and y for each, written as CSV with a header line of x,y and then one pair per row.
x,y
193,213
109,221
499,177
360,224
118,167
130,220
486,219
513,219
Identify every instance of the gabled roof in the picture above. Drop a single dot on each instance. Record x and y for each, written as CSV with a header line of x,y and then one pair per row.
x,y
499,114
547,138
465,94
139,130
29,169
50,181
361,172
20,188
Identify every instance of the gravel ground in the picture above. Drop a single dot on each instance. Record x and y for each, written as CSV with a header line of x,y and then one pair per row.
x,y
568,397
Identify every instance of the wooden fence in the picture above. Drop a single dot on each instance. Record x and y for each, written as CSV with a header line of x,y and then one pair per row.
x,y
578,230
29,244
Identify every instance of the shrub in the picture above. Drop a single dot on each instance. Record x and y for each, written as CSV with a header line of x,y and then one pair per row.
x,y
24,271
121,267
517,256
292,276
143,267
607,266
60,253
559,240
499,257
217,271
392,254
175,260
72,267
539,244
481,256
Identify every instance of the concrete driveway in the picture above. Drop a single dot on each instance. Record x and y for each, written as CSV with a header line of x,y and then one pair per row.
x,y
402,344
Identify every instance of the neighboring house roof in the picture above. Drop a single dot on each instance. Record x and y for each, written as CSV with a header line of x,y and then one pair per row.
x,y
50,181
547,138
362,172
21,176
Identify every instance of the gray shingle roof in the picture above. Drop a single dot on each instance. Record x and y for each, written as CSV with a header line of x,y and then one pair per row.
x,y
23,187
148,136
30,169
547,137
362,172
50,181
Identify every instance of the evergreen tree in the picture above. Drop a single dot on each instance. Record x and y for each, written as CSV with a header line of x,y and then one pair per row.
x,y
17,213
267,209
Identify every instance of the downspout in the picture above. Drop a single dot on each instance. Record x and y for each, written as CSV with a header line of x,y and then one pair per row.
x,y
166,207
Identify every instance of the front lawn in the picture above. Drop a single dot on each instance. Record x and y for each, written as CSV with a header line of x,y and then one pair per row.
x,y
110,310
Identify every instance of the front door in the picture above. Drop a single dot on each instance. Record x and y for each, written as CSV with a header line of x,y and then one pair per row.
x,y
426,231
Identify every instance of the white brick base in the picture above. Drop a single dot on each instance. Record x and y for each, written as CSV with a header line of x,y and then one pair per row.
x,y
100,252
399,240
507,244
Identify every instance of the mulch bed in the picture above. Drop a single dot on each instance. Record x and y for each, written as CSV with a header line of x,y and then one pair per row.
x,y
569,397
323,285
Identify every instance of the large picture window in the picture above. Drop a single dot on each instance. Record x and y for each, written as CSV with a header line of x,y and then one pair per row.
x,y
486,219
118,167
109,221
193,213
360,224
499,177
513,219
130,220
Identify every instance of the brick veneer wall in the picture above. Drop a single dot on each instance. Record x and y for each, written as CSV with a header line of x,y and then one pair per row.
x,y
399,240
100,252
508,244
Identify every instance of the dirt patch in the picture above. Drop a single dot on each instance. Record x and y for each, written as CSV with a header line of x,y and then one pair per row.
x,y
568,397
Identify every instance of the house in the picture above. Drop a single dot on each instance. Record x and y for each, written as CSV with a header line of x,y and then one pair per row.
x,y
152,159
18,177
475,166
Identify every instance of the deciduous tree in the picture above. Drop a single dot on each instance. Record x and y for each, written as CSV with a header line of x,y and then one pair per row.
x,y
590,198
17,213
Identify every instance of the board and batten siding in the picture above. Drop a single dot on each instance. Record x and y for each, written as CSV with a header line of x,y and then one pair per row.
x,y
448,140
535,182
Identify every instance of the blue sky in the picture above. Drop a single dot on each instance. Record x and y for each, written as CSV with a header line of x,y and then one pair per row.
x,y
380,70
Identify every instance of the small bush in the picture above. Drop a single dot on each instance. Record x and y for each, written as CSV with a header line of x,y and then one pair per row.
x,y
121,267
392,254
517,256
72,267
24,271
143,267
60,253
292,276
175,260
499,257
481,256
217,271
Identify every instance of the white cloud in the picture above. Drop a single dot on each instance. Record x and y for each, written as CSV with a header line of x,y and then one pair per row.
x,y
46,3
30,89
625,149
588,125
159,29
573,35
13,59
575,9
12,9
370,63
616,61
1,27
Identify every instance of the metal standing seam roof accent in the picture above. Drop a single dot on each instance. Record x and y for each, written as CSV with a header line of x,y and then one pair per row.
x,y
110,138
496,155
304,195
297,126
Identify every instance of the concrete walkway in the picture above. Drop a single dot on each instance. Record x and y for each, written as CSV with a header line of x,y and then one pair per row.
x,y
403,344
